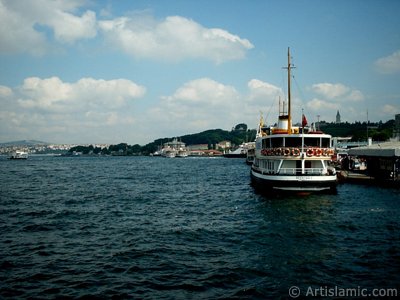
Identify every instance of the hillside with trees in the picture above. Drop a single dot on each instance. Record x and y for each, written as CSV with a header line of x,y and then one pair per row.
x,y
240,133
358,131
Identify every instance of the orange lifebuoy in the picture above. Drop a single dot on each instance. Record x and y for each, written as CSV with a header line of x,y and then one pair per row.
x,y
318,152
325,152
331,152
295,151
310,152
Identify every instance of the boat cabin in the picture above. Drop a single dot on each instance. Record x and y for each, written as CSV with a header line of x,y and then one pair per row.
x,y
295,154
296,140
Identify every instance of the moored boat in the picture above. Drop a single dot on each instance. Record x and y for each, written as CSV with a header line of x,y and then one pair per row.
x,y
240,152
250,155
173,149
289,158
182,153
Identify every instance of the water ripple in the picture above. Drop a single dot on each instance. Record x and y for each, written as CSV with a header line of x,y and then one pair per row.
x,y
152,228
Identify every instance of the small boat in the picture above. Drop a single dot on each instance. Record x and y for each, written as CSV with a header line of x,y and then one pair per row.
x,y
294,159
19,155
240,152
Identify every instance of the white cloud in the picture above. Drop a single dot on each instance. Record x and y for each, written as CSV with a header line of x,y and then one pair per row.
x,y
330,90
173,39
327,98
17,33
52,94
197,105
317,105
69,28
337,92
390,110
389,64
262,97
355,95
19,21
203,90
5,91
91,109
25,26
204,103
260,89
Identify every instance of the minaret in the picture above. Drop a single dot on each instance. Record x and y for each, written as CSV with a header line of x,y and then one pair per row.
x,y
338,118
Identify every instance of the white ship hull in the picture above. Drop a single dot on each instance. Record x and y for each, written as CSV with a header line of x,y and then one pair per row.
x,y
293,183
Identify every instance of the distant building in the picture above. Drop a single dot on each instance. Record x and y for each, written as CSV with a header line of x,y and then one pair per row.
x,y
338,121
197,147
224,145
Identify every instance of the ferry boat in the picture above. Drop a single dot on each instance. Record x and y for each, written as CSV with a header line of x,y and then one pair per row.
x,y
19,155
174,149
289,158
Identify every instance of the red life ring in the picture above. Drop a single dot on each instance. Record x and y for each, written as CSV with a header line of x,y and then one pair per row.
x,y
295,151
286,151
318,152
310,152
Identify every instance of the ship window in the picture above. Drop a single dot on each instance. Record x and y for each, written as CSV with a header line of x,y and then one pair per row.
x,y
326,142
265,143
276,142
293,142
311,142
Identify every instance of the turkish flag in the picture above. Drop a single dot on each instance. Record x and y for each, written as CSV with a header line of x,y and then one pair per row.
x,y
304,121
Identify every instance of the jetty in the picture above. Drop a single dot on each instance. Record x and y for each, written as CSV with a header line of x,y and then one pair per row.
x,y
383,164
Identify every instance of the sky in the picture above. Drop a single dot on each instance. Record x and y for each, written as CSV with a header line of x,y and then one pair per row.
x,y
108,71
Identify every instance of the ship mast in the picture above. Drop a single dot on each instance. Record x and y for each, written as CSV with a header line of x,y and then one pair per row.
x,y
289,67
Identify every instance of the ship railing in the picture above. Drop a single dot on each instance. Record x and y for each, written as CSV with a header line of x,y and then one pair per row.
x,y
299,171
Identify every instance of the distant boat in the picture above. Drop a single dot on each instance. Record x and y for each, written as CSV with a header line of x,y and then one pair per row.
x,y
171,153
19,155
173,149
289,158
182,153
251,152
240,152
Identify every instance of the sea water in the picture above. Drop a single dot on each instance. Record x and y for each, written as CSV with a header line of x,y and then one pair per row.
x,y
193,228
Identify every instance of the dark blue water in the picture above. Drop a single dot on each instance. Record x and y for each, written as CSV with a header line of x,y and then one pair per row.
x,y
154,228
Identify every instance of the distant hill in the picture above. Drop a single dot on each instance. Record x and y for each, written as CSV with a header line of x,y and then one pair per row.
x,y
23,143
378,131
236,136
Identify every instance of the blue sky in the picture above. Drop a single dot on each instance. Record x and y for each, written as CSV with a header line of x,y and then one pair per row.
x,y
109,71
